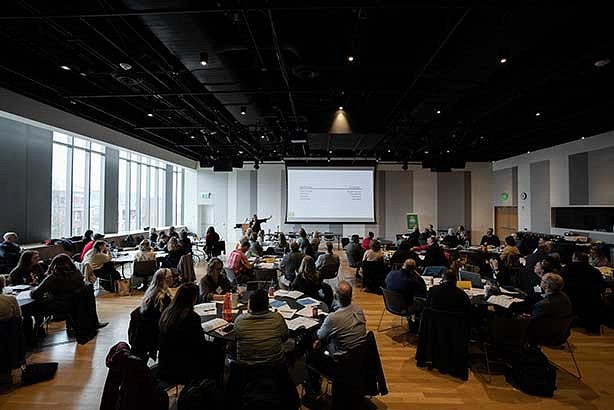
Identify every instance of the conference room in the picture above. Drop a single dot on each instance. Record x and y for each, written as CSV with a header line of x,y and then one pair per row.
x,y
306,205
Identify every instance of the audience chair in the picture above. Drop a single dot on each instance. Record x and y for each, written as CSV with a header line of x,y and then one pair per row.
x,y
145,269
231,275
373,275
395,304
554,334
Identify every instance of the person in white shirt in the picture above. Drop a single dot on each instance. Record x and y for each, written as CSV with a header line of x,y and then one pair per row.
x,y
100,260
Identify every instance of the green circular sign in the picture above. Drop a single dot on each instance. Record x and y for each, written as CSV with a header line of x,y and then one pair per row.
x,y
504,196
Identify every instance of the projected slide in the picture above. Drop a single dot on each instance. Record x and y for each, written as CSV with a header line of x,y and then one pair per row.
x,y
330,195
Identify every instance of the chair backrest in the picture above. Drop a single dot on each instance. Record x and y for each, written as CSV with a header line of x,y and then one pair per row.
x,y
230,274
144,268
550,331
259,284
328,271
265,274
395,302
186,268
434,271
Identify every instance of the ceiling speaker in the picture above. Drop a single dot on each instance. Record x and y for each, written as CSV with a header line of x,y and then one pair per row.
x,y
222,165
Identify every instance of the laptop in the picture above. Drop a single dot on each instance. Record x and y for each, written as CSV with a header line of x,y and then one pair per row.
x,y
474,278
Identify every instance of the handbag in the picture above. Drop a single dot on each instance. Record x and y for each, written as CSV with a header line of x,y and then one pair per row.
x,y
123,287
38,372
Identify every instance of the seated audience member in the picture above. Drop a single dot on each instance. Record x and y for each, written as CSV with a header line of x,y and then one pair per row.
x,y
375,254
99,258
145,252
584,285
403,253
163,241
302,240
172,232
308,248
498,271
447,296
237,261
328,262
87,237
175,252
555,305
510,249
341,331
29,270
490,239
291,261
212,239
183,349
309,281
366,242
214,285
283,244
157,298
9,308
543,250
450,240
88,246
598,258
9,251
414,237
62,279
461,234
354,251
255,249
153,235
260,333
312,249
260,237
408,282
530,284
185,241
434,254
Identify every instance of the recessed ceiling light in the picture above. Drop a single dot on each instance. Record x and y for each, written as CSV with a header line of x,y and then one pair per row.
x,y
537,114
341,107
330,152
149,114
582,138
204,58
350,58
240,152
262,136
125,66
65,67
192,136
243,110
82,74
389,151
602,63
503,60
74,102
274,151
447,151
329,160
426,152
438,111
528,152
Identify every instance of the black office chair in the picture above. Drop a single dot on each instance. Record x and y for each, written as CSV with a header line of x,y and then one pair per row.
x,y
262,275
553,333
434,271
373,275
230,274
395,304
143,269
329,272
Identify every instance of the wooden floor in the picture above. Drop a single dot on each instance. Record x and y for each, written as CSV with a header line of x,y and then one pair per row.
x,y
82,372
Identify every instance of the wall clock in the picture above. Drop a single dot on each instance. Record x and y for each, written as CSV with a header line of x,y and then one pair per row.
x,y
523,196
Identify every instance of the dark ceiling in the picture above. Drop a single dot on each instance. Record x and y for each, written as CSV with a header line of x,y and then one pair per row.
x,y
427,76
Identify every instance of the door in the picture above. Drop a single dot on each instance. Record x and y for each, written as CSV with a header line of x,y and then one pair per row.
x,y
206,218
506,221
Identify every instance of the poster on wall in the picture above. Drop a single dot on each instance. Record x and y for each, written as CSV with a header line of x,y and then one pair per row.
x,y
412,221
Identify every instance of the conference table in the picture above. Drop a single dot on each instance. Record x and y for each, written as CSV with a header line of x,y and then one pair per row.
x,y
21,293
124,257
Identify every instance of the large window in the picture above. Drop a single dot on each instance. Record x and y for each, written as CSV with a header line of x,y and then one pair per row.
x,y
142,192
178,180
77,192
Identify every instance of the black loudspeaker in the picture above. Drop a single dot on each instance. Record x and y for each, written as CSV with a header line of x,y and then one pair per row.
x,y
222,165
237,163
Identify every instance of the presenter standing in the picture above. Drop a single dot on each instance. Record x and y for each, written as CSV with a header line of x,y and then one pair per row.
x,y
254,224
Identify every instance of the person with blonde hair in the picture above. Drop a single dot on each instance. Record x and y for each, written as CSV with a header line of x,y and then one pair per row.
x,y
145,252
175,252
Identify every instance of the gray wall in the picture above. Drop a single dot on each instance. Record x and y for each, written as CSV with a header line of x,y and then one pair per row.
x,y
25,178
451,199
578,179
399,200
601,176
540,196
111,190
505,181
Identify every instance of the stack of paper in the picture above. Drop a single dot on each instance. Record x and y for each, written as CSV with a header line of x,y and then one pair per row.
x,y
265,265
213,324
308,302
277,304
288,293
503,300
23,295
287,314
300,321
307,312
206,309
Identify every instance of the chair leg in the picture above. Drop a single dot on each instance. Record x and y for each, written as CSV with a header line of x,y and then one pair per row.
x,y
573,357
380,319
485,348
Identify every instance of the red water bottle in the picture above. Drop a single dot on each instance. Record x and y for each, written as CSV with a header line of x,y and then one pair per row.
x,y
227,312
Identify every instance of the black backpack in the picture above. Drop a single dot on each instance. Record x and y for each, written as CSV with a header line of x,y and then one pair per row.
x,y
200,394
532,373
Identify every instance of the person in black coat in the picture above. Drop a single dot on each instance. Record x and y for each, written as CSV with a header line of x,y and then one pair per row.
x,y
186,243
584,286
435,256
490,239
543,250
447,296
9,251
291,262
183,349
548,313
408,283
403,253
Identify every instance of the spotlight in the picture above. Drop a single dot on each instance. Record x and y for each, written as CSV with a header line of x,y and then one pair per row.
x,y
125,66
341,107
262,136
389,151
602,63
426,152
192,136
503,60
582,138
204,58
438,112
447,151
65,67
256,164
150,114
243,110
537,114
240,152
350,58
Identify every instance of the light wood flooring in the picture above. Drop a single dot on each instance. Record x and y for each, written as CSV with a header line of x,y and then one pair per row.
x,y
82,372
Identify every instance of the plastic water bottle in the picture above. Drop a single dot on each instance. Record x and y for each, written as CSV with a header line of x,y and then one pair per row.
x,y
227,312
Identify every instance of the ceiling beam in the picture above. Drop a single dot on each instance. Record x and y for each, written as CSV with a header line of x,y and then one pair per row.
x,y
234,91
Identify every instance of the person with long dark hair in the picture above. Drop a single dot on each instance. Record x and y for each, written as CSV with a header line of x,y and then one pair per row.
x,y
29,269
183,350
211,240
